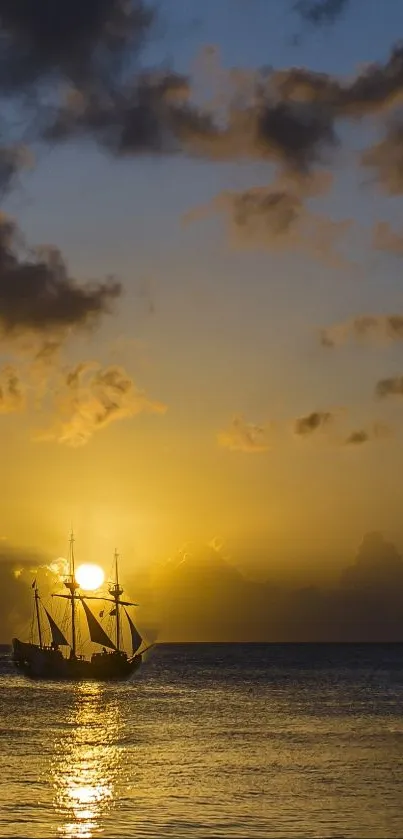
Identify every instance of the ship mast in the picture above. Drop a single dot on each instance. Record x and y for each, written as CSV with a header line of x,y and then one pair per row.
x,y
38,620
116,592
72,585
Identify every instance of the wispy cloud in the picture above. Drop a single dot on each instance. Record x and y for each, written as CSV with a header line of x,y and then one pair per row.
x,y
364,327
243,436
91,398
12,391
277,218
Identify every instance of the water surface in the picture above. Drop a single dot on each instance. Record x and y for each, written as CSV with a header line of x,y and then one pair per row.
x,y
210,741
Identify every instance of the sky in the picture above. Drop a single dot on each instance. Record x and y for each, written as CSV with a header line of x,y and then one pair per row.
x,y
230,383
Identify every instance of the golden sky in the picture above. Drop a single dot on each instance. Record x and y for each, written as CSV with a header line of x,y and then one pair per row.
x,y
200,308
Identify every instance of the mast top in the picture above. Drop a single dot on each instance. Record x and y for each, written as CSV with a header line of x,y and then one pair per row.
x,y
115,589
70,582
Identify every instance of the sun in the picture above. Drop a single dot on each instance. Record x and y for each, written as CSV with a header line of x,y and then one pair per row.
x,y
89,576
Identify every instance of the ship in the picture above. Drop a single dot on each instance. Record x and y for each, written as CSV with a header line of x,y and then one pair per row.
x,y
61,658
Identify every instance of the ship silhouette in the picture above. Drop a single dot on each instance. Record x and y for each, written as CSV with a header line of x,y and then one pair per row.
x,y
60,659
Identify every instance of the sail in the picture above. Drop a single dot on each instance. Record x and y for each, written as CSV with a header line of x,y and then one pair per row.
x,y
136,637
57,635
97,633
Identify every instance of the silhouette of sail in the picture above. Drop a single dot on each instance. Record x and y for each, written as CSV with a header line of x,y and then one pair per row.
x,y
136,637
97,633
57,635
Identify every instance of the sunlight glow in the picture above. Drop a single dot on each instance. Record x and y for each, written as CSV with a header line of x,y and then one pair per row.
x,y
89,576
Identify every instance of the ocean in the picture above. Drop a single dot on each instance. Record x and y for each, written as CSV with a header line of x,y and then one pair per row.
x,y
210,740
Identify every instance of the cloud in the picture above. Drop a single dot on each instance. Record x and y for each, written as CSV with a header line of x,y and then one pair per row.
x,y
86,43
315,421
85,55
91,398
357,438
378,564
386,158
277,218
321,420
364,327
294,135
84,60
13,159
38,296
287,116
389,387
242,436
385,239
150,114
366,604
321,12
12,391
158,112
378,88
251,438
18,569
16,574
378,431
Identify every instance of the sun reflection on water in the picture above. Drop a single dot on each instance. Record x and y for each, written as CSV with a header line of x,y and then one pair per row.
x,y
85,770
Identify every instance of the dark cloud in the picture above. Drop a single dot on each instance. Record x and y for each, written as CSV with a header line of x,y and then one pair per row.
x,y
377,88
38,296
152,114
17,569
155,113
295,133
365,605
90,398
364,327
286,117
12,160
85,43
389,387
310,423
321,12
244,436
46,49
378,564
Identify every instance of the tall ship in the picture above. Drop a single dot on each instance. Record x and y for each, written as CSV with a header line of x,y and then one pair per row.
x,y
61,658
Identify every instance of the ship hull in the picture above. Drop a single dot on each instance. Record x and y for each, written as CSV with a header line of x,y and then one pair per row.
x,y
46,663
